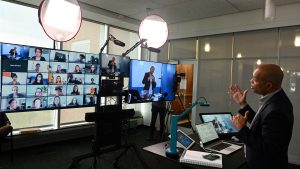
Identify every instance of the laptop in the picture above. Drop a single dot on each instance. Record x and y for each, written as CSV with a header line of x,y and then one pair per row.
x,y
221,121
211,141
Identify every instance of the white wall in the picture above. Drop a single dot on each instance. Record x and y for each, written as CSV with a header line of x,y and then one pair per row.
x,y
285,16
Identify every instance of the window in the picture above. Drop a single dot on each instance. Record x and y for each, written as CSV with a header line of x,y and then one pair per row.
x,y
20,26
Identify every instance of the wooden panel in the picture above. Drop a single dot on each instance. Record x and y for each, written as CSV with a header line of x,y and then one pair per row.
x,y
184,96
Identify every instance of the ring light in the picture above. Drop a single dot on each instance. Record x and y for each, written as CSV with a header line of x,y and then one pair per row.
x,y
155,30
60,19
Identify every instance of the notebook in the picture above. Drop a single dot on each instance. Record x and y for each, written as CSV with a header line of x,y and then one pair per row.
x,y
221,121
196,157
211,141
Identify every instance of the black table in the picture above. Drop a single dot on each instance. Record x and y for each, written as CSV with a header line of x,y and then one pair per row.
x,y
234,160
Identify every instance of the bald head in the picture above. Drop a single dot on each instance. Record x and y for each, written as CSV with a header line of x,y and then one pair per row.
x,y
271,73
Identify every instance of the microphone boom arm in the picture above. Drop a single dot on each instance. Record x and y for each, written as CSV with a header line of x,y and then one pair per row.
x,y
134,46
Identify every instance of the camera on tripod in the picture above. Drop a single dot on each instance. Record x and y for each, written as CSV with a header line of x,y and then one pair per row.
x,y
177,80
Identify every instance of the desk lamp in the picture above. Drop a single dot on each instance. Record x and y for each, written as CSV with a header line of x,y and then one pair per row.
x,y
172,151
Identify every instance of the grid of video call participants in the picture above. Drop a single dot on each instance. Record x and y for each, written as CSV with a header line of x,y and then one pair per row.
x,y
40,78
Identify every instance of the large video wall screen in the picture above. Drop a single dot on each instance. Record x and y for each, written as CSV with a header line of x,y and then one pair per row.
x,y
39,78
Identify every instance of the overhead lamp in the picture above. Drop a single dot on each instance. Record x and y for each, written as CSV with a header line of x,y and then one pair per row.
x,y
155,30
60,19
239,55
270,10
207,47
258,62
297,39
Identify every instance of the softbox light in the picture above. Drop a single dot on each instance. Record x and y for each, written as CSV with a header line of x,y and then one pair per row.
x,y
155,30
60,19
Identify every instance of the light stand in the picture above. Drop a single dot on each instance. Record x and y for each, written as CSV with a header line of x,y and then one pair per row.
x,y
172,151
95,154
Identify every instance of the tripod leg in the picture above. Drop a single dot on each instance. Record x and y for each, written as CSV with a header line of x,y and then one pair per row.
x,y
119,156
138,154
187,114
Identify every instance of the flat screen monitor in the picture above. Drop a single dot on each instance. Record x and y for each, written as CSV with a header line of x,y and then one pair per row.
x,y
35,78
151,81
114,65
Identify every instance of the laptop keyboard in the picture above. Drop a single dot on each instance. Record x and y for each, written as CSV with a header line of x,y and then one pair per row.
x,y
220,146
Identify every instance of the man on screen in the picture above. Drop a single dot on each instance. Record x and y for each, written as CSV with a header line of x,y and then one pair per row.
x,y
149,83
37,68
112,65
13,53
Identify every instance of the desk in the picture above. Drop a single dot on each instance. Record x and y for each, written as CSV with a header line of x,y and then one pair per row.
x,y
233,161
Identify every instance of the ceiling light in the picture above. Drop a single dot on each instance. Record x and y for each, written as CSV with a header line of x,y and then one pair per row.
x,y
297,39
270,10
239,55
207,47
60,19
258,62
155,30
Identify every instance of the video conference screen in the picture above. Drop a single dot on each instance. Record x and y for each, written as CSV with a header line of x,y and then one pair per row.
x,y
40,78
114,65
151,81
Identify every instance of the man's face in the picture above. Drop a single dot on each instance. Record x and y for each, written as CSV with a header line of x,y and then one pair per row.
x,y
258,84
152,70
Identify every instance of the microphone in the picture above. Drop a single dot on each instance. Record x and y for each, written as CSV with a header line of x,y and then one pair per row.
x,y
119,43
116,41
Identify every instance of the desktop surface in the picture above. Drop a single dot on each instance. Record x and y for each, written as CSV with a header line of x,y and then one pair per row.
x,y
232,161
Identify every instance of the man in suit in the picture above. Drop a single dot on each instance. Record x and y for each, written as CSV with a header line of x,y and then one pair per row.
x,y
112,65
149,80
270,131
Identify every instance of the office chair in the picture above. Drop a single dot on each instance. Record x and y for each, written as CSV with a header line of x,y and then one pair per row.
x,y
10,140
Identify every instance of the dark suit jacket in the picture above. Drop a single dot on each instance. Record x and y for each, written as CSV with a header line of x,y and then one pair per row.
x,y
146,82
111,65
268,140
3,119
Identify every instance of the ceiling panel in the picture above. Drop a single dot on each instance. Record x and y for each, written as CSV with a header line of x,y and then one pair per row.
x,y
174,11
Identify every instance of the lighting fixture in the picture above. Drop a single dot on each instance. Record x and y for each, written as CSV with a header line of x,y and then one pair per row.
x,y
239,55
258,62
207,47
60,19
269,10
155,30
297,39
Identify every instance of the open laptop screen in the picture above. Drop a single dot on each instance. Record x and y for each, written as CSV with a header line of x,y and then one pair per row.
x,y
206,132
221,121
